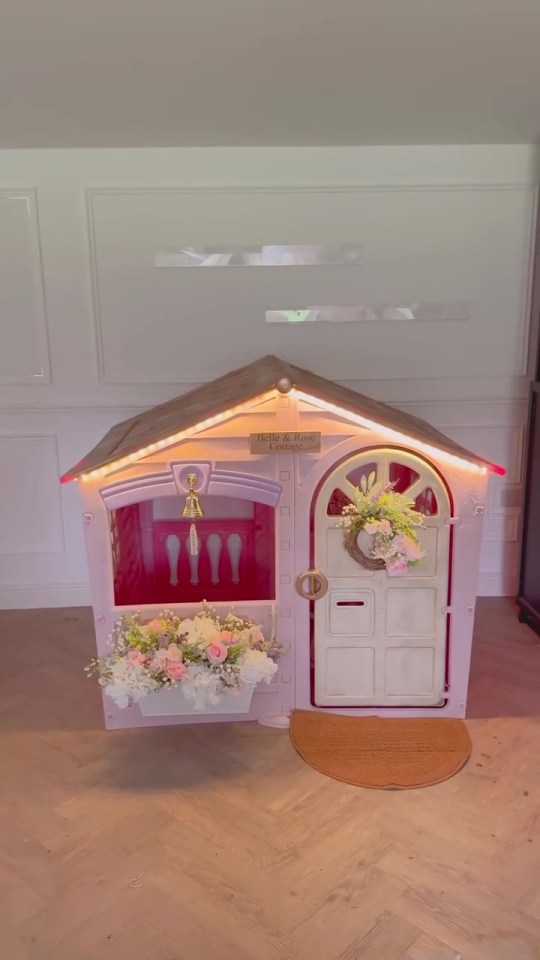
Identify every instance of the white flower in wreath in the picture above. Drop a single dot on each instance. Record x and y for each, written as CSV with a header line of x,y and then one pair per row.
x,y
378,526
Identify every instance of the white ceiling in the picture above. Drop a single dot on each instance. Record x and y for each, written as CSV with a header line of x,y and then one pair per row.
x,y
268,72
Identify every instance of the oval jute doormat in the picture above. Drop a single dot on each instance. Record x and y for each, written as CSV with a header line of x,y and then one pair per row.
x,y
381,753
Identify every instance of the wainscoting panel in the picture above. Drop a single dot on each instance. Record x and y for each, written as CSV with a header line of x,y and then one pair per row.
x,y
420,247
30,505
24,348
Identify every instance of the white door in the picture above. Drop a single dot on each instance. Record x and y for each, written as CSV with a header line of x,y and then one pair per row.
x,y
380,640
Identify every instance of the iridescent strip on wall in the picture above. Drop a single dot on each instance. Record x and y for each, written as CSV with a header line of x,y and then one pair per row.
x,y
292,255
459,310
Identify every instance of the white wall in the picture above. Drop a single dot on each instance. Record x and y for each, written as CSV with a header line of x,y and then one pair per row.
x,y
91,331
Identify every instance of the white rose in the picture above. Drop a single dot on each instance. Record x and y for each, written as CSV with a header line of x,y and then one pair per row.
x,y
188,629
207,631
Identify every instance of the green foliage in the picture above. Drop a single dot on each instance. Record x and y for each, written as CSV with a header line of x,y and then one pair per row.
x,y
377,501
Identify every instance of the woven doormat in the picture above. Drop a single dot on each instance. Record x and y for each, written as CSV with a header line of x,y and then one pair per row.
x,y
379,752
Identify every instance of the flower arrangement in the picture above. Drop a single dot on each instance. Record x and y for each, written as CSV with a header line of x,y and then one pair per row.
x,y
391,518
207,655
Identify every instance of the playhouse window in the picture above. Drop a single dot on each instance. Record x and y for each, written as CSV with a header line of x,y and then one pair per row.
x,y
426,503
367,470
152,562
402,477
336,502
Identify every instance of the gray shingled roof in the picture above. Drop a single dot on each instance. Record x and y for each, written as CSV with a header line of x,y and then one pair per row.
x,y
239,387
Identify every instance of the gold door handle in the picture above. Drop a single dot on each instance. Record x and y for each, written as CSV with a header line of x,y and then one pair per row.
x,y
317,585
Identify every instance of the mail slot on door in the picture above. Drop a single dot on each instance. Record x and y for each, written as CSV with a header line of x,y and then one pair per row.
x,y
351,612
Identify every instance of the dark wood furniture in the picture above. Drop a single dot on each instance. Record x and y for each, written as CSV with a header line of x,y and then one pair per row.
x,y
529,577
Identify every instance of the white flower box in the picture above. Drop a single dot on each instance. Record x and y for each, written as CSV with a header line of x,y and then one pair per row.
x,y
171,702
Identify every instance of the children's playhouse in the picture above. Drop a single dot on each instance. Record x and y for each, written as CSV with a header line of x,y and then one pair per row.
x,y
272,453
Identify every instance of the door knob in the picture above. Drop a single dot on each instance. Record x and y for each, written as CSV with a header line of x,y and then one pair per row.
x,y
317,585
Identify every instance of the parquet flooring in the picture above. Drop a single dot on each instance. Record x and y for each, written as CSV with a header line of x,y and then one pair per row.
x,y
219,843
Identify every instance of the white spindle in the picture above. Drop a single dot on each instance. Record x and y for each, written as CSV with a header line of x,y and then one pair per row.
x,y
234,549
213,545
172,546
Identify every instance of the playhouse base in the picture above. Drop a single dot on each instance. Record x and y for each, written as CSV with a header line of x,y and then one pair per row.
x,y
280,721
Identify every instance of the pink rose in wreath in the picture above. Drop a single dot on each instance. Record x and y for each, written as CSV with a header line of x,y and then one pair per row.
x,y
396,564
412,550
227,637
216,653
175,670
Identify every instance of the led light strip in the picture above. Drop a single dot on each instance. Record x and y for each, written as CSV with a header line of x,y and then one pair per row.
x,y
175,438
396,436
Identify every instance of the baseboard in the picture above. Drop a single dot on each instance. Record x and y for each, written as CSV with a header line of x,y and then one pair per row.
x,y
26,596
497,585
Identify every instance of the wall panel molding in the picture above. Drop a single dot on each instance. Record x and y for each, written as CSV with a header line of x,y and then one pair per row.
x,y
320,188
21,596
490,441
449,409
112,330
31,514
22,291
497,585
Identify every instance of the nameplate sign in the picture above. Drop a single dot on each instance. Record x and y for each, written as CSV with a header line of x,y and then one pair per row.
x,y
284,442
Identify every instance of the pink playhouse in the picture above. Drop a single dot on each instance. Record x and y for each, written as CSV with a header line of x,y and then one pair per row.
x,y
270,455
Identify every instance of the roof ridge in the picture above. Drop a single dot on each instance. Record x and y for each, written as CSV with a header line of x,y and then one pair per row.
x,y
184,413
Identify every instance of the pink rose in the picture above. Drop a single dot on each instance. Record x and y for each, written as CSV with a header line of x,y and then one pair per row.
x,y
175,670
137,657
158,625
227,637
397,564
412,550
174,652
216,652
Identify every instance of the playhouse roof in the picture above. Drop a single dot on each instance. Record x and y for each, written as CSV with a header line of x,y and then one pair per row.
x,y
130,439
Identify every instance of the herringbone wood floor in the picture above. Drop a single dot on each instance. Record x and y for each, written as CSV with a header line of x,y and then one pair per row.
x,y
219,843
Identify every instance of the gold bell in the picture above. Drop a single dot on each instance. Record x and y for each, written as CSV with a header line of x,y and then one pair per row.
x,y
192,508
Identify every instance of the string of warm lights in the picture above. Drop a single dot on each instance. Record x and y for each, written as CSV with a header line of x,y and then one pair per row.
x,y
174,438
356,418
395,435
